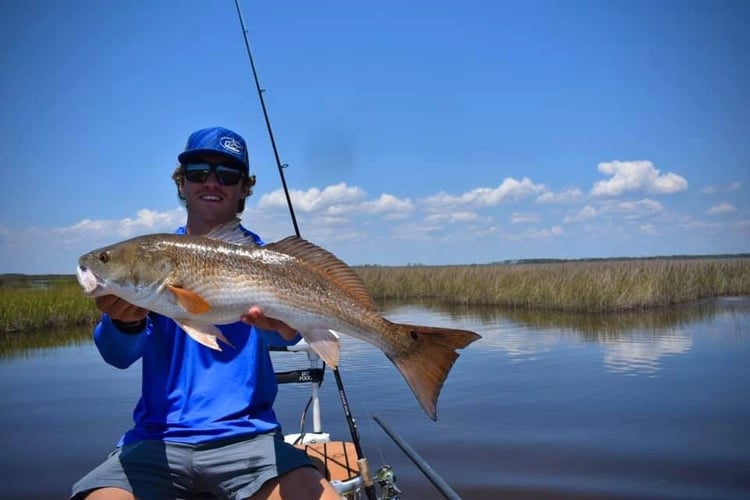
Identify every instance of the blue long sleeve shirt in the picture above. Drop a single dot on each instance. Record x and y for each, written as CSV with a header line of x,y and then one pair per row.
x,y
190,393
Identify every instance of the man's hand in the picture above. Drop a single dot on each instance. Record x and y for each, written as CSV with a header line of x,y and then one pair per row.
x,y
256,317
120,309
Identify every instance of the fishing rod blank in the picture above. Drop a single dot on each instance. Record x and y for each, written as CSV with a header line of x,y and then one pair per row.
x,y
268,121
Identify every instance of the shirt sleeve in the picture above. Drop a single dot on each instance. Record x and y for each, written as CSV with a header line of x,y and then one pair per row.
x,y
117,348
273,338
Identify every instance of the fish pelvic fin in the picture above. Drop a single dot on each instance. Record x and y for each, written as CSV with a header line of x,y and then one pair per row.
x,y
325,343
328,266
189,300
428,359
204,334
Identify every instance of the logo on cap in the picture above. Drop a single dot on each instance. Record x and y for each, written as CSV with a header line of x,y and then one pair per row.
x,y
231,144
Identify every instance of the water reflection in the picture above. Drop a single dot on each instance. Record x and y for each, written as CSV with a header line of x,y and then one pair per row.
x,y
24,343
642,354
544,406
632,342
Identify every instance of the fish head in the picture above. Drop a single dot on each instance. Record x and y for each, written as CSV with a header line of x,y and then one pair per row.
x,y
134,270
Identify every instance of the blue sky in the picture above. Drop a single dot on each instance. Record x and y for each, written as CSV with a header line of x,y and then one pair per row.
x,y
429,132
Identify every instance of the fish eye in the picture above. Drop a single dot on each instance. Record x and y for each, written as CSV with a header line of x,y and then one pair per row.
x,y
103,257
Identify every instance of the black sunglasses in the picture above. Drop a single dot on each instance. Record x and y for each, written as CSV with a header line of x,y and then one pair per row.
x,y
199,172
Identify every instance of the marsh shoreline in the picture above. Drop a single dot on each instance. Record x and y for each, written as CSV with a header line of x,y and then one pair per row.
x,y
32,302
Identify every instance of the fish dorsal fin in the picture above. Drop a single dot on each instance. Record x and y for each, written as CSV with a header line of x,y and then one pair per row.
x,y
328,265
189,300
231,232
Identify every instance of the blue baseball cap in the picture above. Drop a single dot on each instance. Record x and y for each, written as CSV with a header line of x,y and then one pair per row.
x,y
217,140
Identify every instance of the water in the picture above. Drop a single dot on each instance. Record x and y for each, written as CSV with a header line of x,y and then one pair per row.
x,y
544,406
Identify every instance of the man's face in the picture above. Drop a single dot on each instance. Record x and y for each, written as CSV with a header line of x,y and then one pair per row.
x,y
211,200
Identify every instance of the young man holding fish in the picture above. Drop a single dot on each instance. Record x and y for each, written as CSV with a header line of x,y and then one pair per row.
x,y
204,425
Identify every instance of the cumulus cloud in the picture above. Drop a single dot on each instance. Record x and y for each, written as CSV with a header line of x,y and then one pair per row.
x,y
626,209
388,203
452,217
585,213
569,195
521,218
639,176
637,208
145,221
721,188
551,232
313,199
510,189
722,208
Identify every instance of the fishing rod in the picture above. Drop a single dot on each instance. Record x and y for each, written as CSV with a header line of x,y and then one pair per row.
x,y
362,461
260,91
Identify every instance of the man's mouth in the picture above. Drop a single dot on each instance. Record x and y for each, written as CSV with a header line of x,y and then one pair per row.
x,y
211,197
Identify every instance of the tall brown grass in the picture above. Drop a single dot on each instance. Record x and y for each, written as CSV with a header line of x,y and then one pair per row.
x,y
593,286
56,303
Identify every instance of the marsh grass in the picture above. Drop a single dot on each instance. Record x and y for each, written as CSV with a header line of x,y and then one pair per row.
x,y
576,286
33,303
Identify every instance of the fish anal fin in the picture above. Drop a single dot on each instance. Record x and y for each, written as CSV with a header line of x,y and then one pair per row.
x,y
426,363
327,265
204,333
325,343
189,300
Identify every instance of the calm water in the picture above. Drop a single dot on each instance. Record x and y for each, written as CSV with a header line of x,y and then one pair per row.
x,y
544,406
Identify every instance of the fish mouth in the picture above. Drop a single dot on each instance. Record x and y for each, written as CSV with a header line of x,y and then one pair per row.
x,y
88,281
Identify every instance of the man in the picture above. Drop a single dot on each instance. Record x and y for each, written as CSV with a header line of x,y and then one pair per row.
x,y
204,425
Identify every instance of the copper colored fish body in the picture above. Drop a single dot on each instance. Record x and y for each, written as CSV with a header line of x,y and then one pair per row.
x,y
202,281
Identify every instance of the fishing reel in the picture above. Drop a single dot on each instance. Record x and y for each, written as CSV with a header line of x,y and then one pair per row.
x,y
386,479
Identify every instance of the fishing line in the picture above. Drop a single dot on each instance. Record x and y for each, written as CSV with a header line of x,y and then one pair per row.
x,y
369,414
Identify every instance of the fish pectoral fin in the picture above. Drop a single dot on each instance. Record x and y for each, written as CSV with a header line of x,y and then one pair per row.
x,y
204,334
325,343
189,300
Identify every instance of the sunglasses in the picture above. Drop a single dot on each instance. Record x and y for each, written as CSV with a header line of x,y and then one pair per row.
x,y
199,172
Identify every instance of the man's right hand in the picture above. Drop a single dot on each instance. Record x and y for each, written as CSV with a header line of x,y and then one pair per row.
x,y
120,309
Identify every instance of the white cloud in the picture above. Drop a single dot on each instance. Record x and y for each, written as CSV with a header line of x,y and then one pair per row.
x,y
451,218
639,176
510,189
520,218
638,208
585,213
550,232
569,195
313,199
722,208
388,204
146,221
721,188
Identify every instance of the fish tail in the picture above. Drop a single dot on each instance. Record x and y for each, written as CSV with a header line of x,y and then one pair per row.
x,y
427,358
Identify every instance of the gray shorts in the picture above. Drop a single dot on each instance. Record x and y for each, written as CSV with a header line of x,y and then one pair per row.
x,y
232,469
